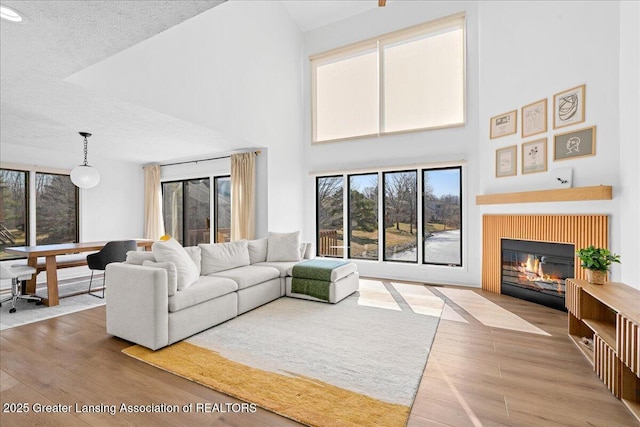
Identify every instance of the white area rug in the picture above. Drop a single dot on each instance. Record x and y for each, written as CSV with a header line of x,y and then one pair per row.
x,y
374,351
29,312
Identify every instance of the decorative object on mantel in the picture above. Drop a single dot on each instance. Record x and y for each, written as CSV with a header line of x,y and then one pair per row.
x,y
577,143
506,161
504,124
534,156
85,176
569,107
561,178
597,262
534,118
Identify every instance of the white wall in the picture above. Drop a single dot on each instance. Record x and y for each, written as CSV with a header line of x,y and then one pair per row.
x,y
235,69
630,141
424,148
111,211
108,211
517,52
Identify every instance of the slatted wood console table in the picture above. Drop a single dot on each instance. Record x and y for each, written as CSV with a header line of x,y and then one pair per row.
x,y
610,315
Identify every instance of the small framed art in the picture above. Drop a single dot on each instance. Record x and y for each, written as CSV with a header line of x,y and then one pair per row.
x,y
577,143
534,118
534,156
504,124
506,161
568,107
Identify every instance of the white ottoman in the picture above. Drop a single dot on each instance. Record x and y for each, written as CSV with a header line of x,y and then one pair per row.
x,y
341,281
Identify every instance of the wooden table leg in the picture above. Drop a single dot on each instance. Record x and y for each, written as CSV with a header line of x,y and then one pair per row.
x,y
52,281
31,283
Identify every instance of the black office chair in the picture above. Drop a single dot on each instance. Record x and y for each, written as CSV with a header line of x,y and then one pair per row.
x,y
112,252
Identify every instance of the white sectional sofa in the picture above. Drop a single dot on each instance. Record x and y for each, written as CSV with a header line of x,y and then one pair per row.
x,y
160,297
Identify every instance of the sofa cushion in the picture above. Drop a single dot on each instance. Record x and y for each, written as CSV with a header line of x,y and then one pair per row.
x,y
257,250
172,251
172,274
223,256
284,267
138,257
283,246
249,275
196,255
204,289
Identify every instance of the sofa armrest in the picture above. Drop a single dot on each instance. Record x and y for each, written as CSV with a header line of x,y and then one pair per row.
x,y
137,304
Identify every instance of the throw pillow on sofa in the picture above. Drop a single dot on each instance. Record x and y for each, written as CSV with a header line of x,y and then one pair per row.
x,y
283,246
138,257
223,256
257,250
172,274
172,251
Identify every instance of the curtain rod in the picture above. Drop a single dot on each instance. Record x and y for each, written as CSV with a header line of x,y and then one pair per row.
x,y
205,160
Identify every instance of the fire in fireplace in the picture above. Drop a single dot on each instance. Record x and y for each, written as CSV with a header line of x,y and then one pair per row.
x,y
536,271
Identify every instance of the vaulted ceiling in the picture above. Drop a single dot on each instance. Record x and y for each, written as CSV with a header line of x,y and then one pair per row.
x,y
59,38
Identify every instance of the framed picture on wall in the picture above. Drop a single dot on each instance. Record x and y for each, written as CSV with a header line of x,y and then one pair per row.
x,y
534,156
577,143
504,124
506,161
569,107
534,118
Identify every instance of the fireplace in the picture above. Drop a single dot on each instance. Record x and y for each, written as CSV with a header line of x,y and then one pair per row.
x,y
536,271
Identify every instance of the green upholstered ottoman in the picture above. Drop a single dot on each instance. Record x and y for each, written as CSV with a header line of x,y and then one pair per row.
x,y
322,280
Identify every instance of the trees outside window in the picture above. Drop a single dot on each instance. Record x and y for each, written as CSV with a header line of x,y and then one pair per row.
x,y
14,222
363,216
410,222
330,216
400,216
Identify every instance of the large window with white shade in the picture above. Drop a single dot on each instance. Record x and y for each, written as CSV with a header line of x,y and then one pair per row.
x,y
408,80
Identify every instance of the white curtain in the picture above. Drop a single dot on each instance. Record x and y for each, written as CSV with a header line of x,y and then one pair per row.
x,y
243,221
153,222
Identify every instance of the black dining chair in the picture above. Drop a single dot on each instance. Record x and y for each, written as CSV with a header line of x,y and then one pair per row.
x,y
115,251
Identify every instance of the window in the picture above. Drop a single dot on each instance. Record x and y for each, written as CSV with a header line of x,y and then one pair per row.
x,y
442,212
14,222
186,210
223,209
56,209
408,80
50,198
418,215
363,216
330,216
400,216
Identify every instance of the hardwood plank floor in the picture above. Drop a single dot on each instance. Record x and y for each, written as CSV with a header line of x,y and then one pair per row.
x,y
477,375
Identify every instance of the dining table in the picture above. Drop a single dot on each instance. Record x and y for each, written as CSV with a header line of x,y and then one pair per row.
x,y
51,263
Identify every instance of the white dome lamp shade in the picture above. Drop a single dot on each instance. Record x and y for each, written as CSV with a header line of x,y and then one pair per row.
x,y
85,176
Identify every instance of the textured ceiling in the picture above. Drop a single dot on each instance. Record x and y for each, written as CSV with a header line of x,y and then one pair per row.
x,y
56,39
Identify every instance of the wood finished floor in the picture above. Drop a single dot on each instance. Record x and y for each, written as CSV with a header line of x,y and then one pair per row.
x,y
476,376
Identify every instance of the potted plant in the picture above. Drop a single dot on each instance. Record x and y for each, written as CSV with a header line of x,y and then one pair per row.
x,y
597,262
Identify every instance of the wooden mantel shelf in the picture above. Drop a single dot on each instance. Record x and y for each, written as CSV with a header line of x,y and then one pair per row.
x,y
598,192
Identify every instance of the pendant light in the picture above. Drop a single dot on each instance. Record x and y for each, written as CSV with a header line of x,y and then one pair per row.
x,y
85,176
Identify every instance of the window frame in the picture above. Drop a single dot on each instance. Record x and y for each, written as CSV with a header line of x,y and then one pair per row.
x,y
76,204
30,190
355,49
318,246
348,210
459,168
27,210
380,206
215,205
184,204
384,210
